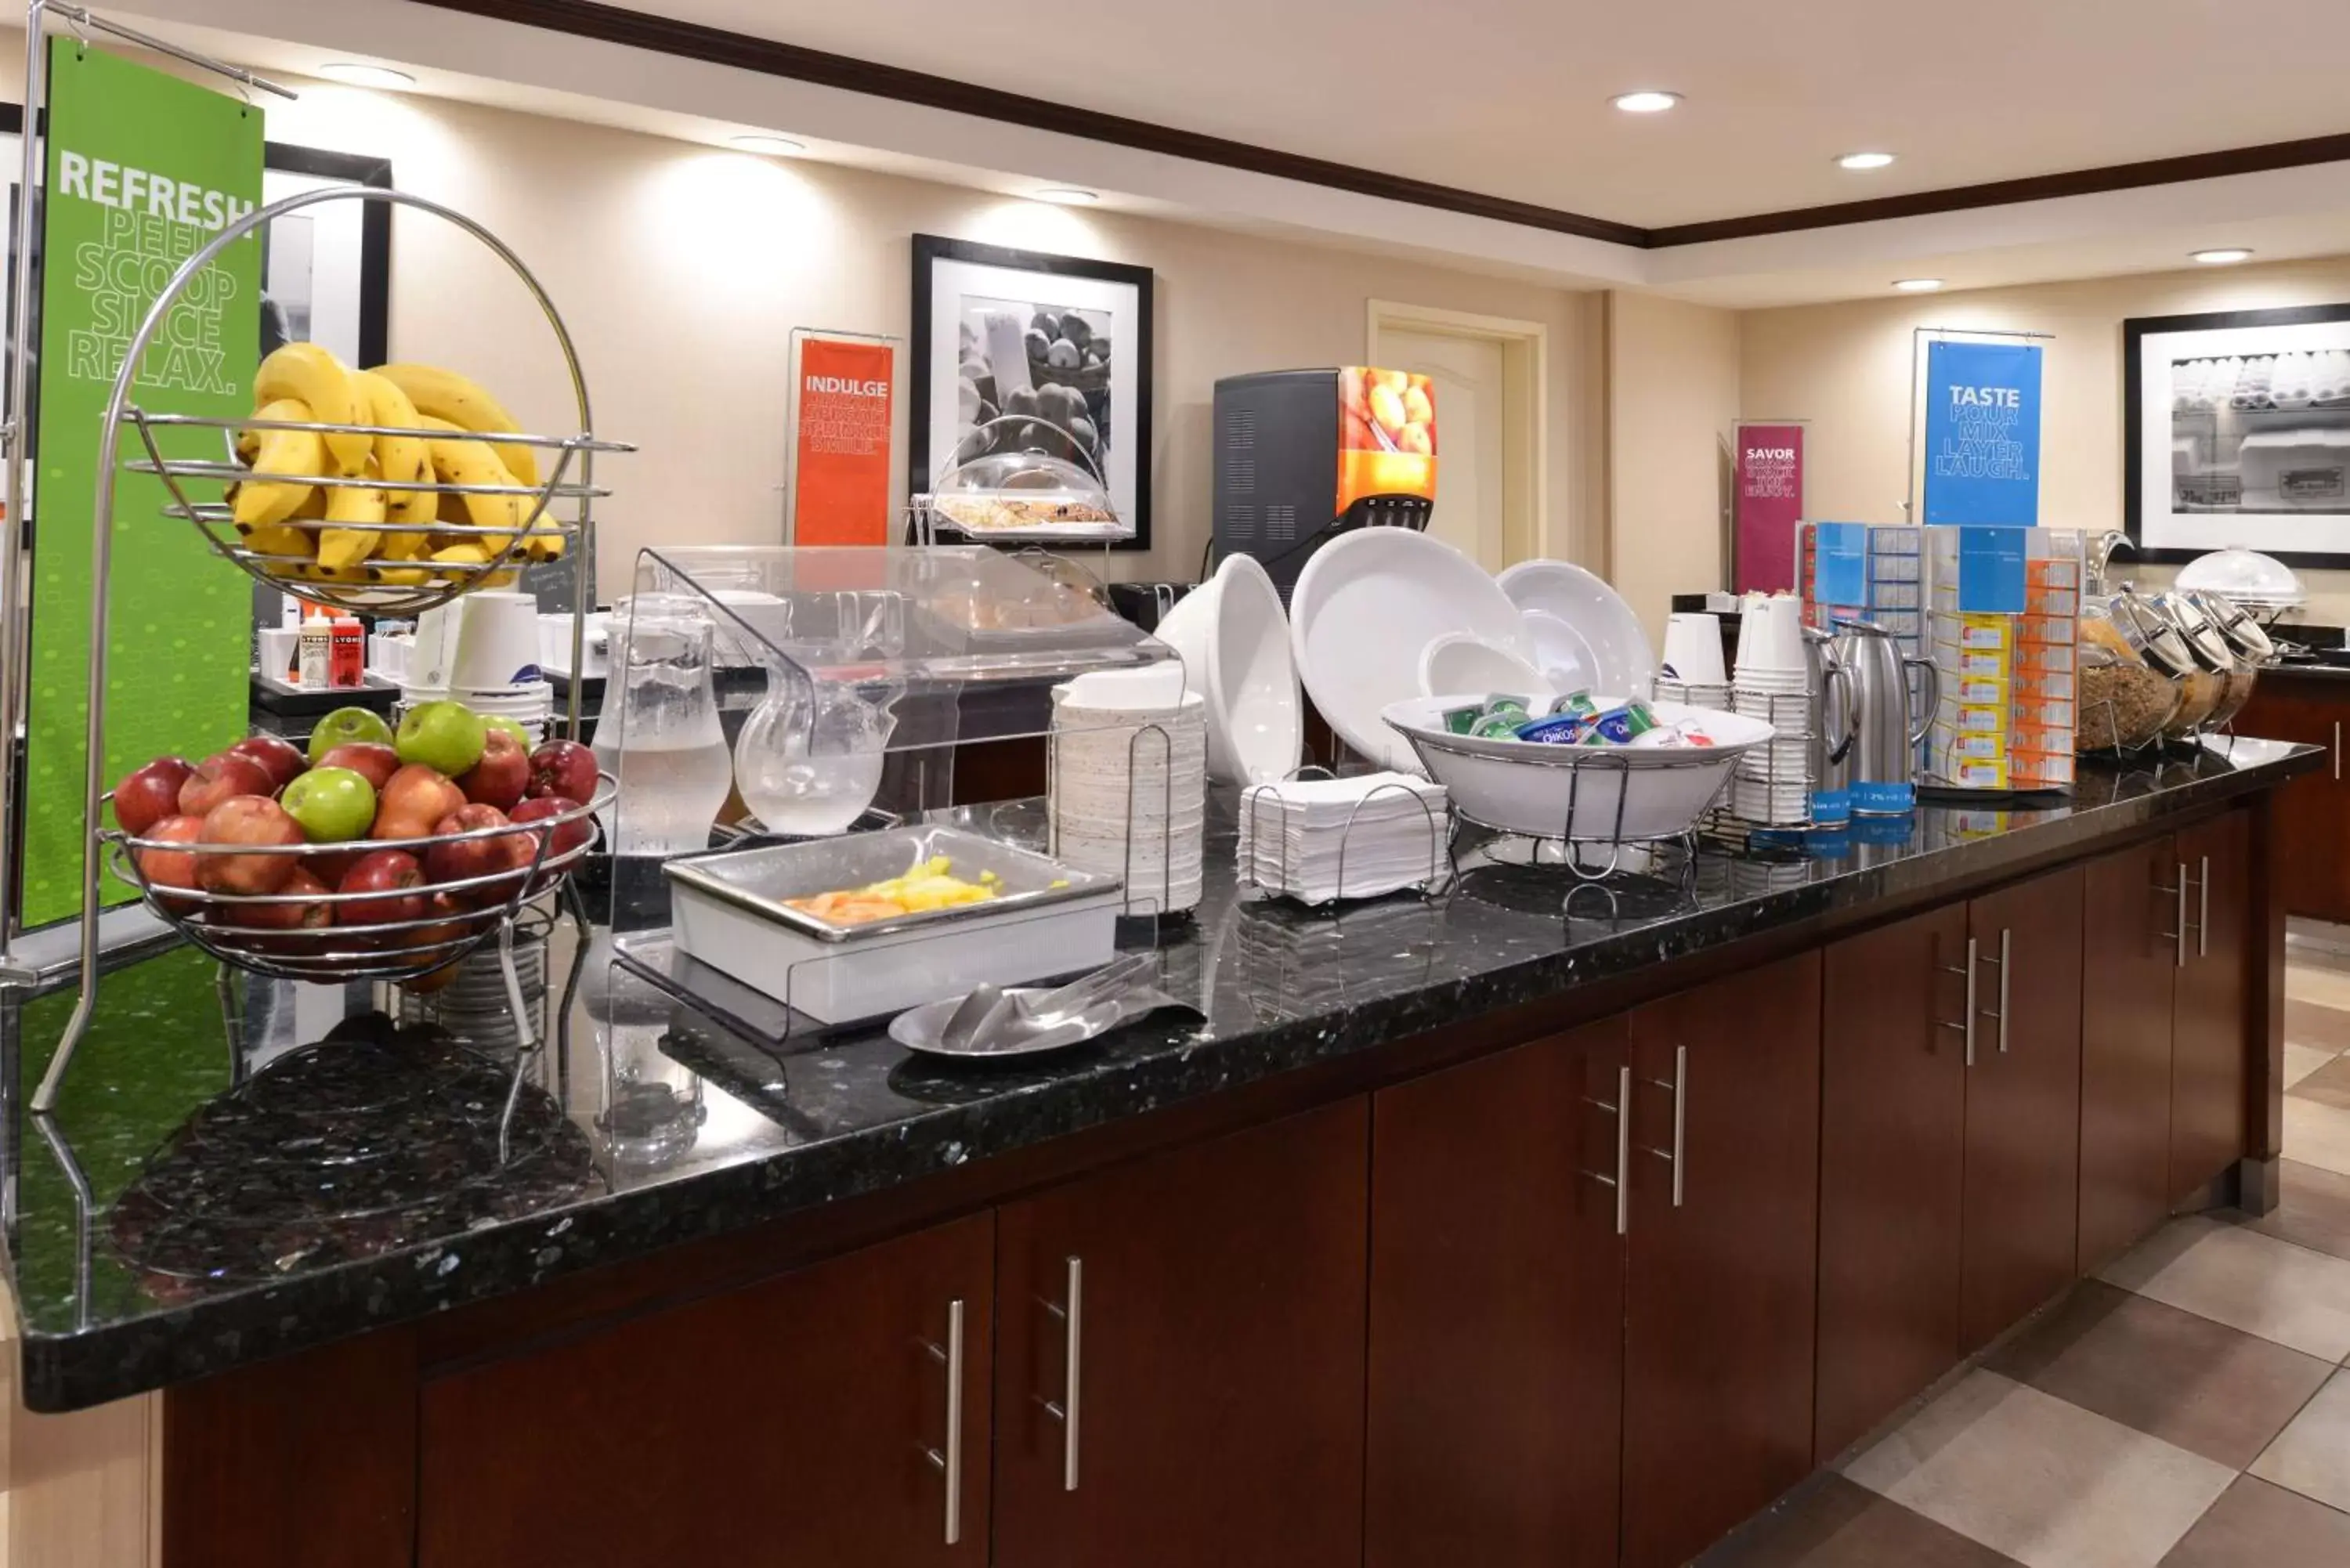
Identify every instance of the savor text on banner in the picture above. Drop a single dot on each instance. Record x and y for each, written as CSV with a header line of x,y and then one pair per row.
x,y
1770,504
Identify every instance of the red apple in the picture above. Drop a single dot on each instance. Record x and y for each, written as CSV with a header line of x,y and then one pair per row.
x,y
411,801
372,762
281,916
278,756
331,865
467,859
387,871
498,779
172,868
221,776
148,795
567,837
563,768
255,820
437,936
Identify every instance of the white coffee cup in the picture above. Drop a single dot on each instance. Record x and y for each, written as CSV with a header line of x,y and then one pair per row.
x,y
1693,648
497,641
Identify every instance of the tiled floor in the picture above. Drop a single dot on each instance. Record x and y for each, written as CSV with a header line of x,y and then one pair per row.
x,y
2187,1408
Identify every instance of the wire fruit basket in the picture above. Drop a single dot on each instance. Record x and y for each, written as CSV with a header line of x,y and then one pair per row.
x,y
406,933
244,917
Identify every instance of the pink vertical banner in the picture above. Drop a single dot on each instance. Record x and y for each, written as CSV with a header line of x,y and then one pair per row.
x,y
1770,502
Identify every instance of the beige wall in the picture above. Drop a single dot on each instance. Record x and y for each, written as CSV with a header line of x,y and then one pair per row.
x,y
1846,368
1672,398
683,270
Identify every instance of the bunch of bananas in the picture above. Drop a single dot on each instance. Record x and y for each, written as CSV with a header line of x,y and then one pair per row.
x,y
361,535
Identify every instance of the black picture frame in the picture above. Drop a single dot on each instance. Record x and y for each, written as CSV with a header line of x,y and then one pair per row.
x,y
375,222
2136,330
928,250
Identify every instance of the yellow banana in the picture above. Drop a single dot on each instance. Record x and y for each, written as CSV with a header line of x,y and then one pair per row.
x,y
400,458
473,463
355,517
258,504
446,395
308,373
278,539
468,553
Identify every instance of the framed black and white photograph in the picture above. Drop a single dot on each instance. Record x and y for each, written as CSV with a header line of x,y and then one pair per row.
x,y
1022,350
2237,431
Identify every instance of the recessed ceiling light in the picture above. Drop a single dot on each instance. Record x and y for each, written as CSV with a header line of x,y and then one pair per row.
x,y
2222,257
1917,284
360,74
1864,160
1646,101
762,142
1067,196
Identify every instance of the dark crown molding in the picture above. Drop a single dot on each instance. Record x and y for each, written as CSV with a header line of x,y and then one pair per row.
x,y
745,51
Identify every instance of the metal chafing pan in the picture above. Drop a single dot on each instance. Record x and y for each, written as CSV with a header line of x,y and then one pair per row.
x,y
758,881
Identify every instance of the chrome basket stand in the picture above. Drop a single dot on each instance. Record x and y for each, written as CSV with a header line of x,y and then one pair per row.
x,y
581,447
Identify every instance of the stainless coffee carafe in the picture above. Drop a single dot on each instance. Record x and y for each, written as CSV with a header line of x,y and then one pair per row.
x,y
1883,761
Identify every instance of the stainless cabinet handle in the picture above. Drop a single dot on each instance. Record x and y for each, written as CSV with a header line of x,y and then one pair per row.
x,y
1680,1087
949,1460
2203,917
2179,936
2338,751
1072,1313
1966,1028
1620,1181
2003,967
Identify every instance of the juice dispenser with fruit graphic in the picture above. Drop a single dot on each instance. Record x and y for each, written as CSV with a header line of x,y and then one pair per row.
x,y
1302,455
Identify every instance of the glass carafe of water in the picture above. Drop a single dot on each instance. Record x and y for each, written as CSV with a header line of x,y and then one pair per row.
x,y
809,760
659,733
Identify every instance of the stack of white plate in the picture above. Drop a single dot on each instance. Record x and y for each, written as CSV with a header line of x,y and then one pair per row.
x,y
1387,830
1129,795
1774,784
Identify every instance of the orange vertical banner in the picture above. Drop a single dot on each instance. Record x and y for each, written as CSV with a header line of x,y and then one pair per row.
x,y
840,472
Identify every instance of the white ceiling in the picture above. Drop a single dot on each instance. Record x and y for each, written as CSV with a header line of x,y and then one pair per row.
x,y
1509,97
1512,105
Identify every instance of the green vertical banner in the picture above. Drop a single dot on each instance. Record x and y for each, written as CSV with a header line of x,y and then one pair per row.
x,y
143,170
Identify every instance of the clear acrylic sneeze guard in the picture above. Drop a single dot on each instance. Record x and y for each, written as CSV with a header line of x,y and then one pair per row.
x,y
771,690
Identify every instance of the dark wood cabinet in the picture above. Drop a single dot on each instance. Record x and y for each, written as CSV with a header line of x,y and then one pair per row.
x,y
803,1420
2210,1016
1893,1102
2132,948
2021,1208
2313,810
1179,1356
1721,1257
1497,1312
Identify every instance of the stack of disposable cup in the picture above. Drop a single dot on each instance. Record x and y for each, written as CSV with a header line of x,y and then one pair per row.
x,y
482,650
1693,671
1772,784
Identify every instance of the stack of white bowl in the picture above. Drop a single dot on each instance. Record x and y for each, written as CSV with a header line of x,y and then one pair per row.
x,y
1773,683
1693,671
1130,783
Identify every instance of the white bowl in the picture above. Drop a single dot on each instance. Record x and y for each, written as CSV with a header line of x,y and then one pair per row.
x,y
1622,660
1463,662
1233,639
1560,652
1525,786
1363,608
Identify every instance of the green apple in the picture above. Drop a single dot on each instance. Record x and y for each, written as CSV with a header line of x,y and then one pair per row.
x,y
521,736
331,804
447,737
346,726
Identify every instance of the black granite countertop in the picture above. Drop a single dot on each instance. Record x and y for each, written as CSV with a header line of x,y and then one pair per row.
x,y
193,1207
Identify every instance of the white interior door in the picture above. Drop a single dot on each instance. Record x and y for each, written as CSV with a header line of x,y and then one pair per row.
x,y
1468,377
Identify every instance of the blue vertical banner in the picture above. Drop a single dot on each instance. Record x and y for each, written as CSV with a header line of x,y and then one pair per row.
x,y
1982,434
